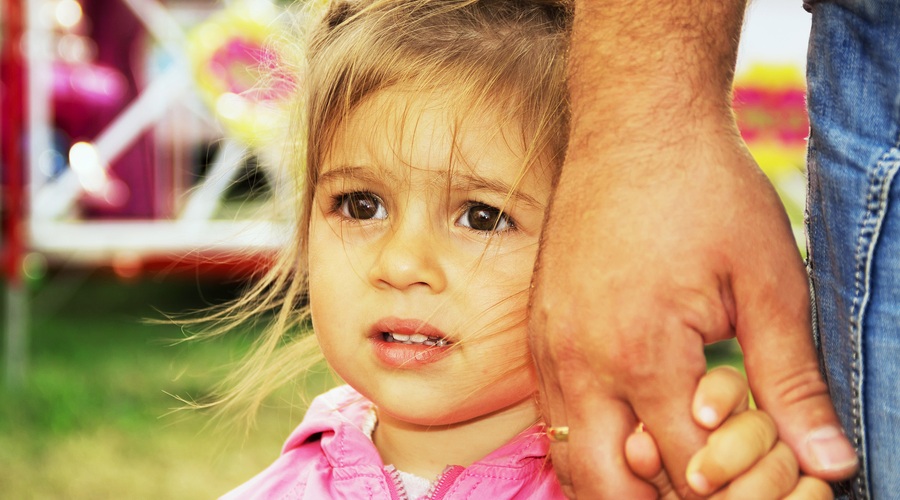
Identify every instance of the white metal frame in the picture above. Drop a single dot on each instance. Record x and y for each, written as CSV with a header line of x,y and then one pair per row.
x,y
53,230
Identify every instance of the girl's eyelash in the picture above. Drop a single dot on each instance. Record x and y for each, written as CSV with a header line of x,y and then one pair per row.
x,y
334,208
337,201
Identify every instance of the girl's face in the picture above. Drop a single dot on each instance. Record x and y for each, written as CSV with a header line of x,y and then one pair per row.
x,y
422,241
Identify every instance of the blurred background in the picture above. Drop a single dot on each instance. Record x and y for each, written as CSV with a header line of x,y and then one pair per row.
x,y
139,160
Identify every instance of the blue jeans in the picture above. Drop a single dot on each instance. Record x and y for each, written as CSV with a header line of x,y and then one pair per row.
x,y
854,226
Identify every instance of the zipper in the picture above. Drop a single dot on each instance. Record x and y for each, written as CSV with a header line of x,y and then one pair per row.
x,y
442,486
395,484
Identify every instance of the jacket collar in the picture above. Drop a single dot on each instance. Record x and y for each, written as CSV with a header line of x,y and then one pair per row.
x,y
336,419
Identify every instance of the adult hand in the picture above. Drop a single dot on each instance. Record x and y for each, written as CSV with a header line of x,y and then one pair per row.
x,y
662,236
636,273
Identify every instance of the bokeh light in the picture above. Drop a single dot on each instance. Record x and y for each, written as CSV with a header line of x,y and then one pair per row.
x,y
68,13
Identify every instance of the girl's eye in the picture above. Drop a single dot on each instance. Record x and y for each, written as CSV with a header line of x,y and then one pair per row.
x,y
481,217
361,206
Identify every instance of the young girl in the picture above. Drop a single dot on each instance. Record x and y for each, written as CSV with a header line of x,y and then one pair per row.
x,y
434,129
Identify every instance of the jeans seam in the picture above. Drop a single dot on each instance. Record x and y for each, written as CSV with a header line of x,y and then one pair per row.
x,y
877,199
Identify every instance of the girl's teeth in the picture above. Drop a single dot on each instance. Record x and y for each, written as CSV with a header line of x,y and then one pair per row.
x,y
416,338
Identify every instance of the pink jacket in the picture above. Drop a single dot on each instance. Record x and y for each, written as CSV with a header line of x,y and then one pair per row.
x,y
328,456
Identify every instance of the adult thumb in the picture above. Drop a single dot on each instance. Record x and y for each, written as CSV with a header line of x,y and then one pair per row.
x,y
775,333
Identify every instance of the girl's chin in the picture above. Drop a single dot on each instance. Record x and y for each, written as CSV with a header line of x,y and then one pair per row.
x,y
434,415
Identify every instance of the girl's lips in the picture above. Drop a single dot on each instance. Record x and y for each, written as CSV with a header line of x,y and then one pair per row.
x,y
408,355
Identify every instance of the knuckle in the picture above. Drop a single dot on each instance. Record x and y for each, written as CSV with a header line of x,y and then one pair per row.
x,y
703,311
802,383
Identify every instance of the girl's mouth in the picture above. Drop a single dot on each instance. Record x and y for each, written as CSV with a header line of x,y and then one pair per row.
x,y
408,343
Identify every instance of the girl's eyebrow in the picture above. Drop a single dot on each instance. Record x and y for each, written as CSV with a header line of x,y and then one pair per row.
x,y
471,182
361,174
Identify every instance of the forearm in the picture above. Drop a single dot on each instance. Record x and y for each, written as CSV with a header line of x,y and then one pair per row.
x,y
647,69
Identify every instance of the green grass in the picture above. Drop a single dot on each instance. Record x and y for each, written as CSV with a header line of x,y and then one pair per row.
x,y
725,353
95,418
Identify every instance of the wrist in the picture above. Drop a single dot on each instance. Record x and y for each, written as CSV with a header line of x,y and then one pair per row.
x,y
654,68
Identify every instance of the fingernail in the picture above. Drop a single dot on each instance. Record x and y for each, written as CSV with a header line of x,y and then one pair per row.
x,y
698,483
708,416
830,450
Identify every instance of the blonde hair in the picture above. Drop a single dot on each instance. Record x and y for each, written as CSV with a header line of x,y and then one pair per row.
x,y
504,55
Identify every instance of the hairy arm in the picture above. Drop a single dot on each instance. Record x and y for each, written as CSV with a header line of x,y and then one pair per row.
x,y
654,70
663,235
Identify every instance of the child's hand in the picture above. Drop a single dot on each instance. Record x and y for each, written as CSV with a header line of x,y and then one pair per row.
x,y
742,457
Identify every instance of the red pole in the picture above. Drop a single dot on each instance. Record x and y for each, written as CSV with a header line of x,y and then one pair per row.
x,y
12,74
12,129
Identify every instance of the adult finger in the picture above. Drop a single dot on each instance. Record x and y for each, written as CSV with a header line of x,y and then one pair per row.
x,y
553,407
553,410
590,464
677,366
783,369
598,430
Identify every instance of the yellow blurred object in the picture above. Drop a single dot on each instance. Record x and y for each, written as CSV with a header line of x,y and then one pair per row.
x,y
770,105
239,73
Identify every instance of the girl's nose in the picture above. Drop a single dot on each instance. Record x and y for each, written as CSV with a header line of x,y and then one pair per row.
x,y
409,257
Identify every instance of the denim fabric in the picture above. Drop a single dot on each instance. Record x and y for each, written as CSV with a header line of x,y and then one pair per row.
x,y
854,226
